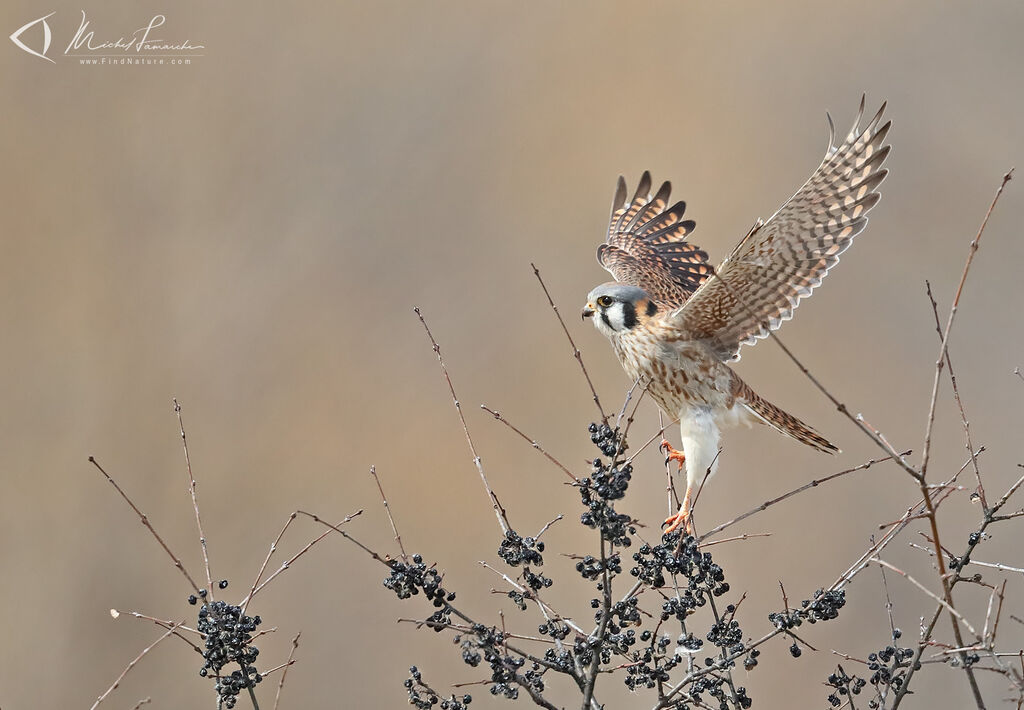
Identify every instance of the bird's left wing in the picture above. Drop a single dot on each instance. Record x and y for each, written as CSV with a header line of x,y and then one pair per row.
x,y
781,261
647,245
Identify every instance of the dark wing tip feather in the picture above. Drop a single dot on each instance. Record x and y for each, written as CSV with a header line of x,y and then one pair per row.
x,y
620,194
643,188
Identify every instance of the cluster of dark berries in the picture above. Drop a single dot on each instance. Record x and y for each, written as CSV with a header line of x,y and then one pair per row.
x,y
691,643
607,483
824,607
843,686
727,634
606,439
610,482
554,630
526,551
227,633
423,697
652,664
561,661
624,613
516,550
601,515
703,576
716,687
487,644
889,666
409,579
644,674
591,567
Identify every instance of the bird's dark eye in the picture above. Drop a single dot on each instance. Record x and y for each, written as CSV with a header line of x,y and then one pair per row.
x,y
604,301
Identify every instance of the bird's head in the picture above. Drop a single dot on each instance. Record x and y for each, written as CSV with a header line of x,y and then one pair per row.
x,y
617,308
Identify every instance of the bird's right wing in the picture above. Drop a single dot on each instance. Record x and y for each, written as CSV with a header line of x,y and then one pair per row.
x,y
781,261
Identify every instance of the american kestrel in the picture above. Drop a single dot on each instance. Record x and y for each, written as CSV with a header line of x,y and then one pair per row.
x,y
674,321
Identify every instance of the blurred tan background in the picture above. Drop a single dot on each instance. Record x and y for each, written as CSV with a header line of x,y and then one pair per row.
x,y
250,233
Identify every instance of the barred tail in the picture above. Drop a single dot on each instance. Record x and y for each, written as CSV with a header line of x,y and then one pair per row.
x,y
782,421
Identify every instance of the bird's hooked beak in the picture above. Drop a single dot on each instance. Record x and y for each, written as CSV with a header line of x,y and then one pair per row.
x,y
588,311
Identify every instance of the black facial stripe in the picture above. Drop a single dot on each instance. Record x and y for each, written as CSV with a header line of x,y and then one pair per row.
x,y
628,315
651,309
604,317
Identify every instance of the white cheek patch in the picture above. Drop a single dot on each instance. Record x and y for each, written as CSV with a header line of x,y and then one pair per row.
x,y
615,317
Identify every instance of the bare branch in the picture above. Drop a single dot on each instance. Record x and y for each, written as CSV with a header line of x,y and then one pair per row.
x,y
284,672
499,512
387,509
532,442
927,591
266,561
784,496
131,665
288,563
195,503
575,351
940,360
145,521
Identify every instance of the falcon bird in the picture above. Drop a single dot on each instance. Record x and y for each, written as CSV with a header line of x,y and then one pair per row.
x,y
674,321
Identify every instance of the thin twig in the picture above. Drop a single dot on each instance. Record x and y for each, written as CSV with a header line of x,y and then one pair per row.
x,y
929,592
990,517
940,360
959,401
999,613
131,665
744,536
660,434
548,525
533,442
625,403
288,563
575,351
784,496
629,422
162,623
923,469
888,599
278,667
387,509
195,503
145,521
266,561
499,512
531,594
284,673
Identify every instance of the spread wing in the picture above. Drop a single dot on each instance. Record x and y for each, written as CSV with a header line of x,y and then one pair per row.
x,y
781,261
647,245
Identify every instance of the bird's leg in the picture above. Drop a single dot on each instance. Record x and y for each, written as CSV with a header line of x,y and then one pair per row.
x,y
683,516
